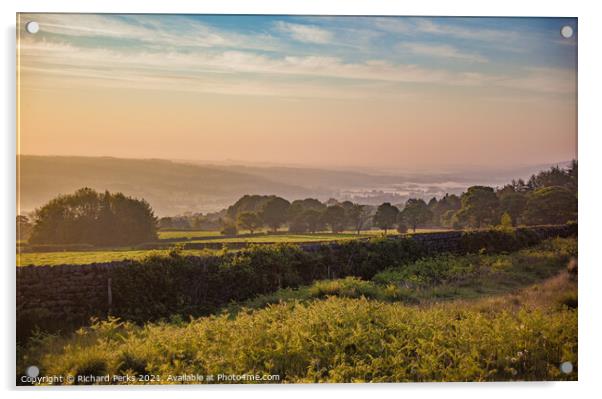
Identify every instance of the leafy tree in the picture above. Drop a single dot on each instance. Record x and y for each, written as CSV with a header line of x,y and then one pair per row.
x,y
513,203
358,215
347,206
416,212
275,212
555,177
229,229
443,207
506,221
550,205
249,221
572,171
24,227
334,216
386,216
479,206
313,220
402,228
516,186
298,206
248,203
297,224
174,222
450,219
165,223
88,217
456,221
198,221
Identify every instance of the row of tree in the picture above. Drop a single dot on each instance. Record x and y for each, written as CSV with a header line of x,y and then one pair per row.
x,y
549,197
253,212
196,221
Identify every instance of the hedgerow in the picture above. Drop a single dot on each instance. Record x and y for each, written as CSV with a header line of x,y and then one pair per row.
x,y
439,277
160,286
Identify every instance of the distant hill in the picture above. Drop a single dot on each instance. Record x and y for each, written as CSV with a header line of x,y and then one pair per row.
x,y
174,188
328,179
171,188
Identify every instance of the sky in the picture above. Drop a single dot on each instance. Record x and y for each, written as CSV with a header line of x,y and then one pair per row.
x,y
363,92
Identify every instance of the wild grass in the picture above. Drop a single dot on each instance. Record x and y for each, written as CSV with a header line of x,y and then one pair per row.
x,y
351,330
186,234
444,277
294,238
331,340
87,257
109,255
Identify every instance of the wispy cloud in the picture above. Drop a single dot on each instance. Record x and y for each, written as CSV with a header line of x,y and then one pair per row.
x,y
392,25
463,32
183,53
305,33
441,51
62,54
207,71
171,31
545,80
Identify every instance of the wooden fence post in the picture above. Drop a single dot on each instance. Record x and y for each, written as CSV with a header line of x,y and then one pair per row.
x,y
109,295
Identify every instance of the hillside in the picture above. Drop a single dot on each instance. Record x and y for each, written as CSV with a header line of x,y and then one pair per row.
x,y
171,188
176,187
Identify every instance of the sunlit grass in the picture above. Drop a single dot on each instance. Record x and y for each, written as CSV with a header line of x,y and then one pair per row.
x,y
266,236
332,340
187,234
296,238
440,278
87,257
107,255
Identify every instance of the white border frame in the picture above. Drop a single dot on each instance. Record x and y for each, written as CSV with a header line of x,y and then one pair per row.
x,y
590,129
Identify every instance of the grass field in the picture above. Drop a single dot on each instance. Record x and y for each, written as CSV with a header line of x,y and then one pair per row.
x,y
192,236
107,255
86,257
186,234
444,277
279,238
395,327
264,235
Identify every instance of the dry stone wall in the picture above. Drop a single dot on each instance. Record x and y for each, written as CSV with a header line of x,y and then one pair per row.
x,y
63,296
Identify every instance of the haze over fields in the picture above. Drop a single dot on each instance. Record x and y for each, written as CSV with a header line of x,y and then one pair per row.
x,y
177,187
370,109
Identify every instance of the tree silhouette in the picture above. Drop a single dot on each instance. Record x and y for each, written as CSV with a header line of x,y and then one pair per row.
x,y
479,206
334,216
550,205
249,221
386,216
88,217
275,212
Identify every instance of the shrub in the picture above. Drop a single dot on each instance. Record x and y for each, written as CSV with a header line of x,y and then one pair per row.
x,y
335,340
161,286
402,228
229,229
429,272
89,217
349,287
569,300
506,240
